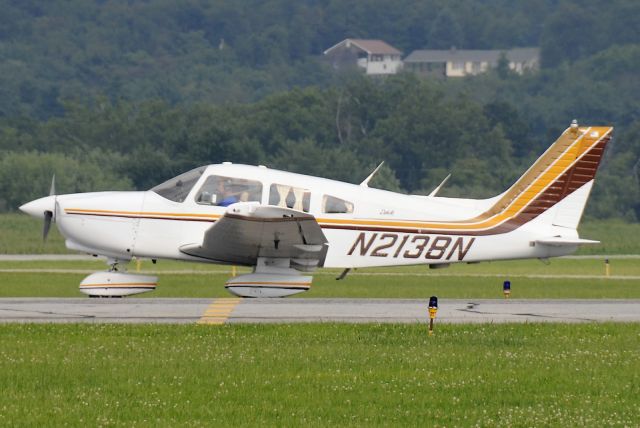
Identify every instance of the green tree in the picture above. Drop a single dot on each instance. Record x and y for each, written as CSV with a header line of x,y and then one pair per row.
x,y
445,32
27,176
502,68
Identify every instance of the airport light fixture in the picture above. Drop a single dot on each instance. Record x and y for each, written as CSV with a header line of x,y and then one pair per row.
x,y
506,289
433,308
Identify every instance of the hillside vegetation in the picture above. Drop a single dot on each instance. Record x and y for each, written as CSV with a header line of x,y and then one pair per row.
x,y
122,95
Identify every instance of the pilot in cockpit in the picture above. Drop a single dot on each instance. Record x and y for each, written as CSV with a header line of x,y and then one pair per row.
x,y
225,194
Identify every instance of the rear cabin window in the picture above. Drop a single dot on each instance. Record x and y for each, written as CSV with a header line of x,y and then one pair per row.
x,y
333,205
283,195
224,191
177,189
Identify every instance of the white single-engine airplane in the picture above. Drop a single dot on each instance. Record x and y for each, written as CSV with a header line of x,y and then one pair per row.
x,y
284,224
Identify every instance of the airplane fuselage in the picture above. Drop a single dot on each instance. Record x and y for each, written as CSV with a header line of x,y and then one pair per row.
x,y
286,224
382,229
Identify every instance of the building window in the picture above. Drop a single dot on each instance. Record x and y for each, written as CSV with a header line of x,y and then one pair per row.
x,y
475,67
285,196
457,65
333,205
376,58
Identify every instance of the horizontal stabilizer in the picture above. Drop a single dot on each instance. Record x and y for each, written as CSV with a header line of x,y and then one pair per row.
x,y
558,241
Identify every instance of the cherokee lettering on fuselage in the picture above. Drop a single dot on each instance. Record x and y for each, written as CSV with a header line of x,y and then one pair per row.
x,y
410,246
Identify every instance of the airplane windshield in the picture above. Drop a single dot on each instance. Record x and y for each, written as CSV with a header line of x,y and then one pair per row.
x,y
177,188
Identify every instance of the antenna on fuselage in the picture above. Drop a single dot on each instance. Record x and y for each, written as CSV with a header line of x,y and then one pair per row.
x,y
365,183
437,189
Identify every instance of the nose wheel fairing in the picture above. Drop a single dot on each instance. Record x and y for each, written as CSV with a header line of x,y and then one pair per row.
x,y
117,284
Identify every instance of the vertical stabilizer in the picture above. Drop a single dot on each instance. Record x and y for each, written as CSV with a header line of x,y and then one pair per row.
x,y
557,184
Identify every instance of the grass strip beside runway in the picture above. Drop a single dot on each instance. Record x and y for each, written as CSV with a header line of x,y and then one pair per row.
x,y
561,279
320,375
557,266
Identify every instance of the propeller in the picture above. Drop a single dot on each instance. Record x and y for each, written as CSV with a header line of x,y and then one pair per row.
x,y
52,189
48,215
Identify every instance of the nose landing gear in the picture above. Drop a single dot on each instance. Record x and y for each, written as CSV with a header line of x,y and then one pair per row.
x,y
117,283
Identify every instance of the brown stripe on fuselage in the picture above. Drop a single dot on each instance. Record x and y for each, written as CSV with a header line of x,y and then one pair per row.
x,y
140,216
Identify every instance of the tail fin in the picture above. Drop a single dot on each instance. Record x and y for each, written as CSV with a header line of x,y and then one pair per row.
x,y
553,191
561,179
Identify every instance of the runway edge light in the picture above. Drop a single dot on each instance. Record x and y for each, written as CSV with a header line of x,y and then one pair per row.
x,y
506,289
433,308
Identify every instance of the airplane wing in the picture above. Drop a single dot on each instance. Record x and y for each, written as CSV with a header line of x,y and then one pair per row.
x,y
249,230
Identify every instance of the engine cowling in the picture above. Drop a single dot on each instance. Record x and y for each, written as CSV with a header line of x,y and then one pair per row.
x,y
117,284
268,285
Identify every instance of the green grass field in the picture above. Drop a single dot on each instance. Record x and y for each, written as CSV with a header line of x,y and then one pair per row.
x,y
326,374
562,278
21,234
320,375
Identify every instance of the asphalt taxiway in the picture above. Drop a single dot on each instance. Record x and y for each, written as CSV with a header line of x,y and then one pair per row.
x,y
294,310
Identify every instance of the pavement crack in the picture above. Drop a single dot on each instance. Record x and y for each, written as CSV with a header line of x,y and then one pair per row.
x,y
553,317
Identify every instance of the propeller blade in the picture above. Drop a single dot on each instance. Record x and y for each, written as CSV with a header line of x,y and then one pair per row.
x,y
48,215
52,190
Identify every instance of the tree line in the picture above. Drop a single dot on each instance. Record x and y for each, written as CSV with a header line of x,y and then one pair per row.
x,y
422,129
110,94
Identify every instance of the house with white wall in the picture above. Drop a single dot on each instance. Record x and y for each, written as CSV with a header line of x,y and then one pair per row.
x,y
374,57
460,62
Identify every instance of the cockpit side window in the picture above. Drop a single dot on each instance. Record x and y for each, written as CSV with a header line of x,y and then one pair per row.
x,y
333,205
224,191
283,195
177,188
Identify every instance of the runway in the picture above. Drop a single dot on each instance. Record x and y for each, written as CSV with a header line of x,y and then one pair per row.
x,y
296,310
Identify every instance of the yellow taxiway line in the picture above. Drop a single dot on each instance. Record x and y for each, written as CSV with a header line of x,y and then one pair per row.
x,y
218,311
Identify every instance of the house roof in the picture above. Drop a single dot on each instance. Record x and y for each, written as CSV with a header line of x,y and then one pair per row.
x,y
461,55
379,47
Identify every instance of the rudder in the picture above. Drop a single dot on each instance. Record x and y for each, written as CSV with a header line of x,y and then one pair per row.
x,y
561,179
